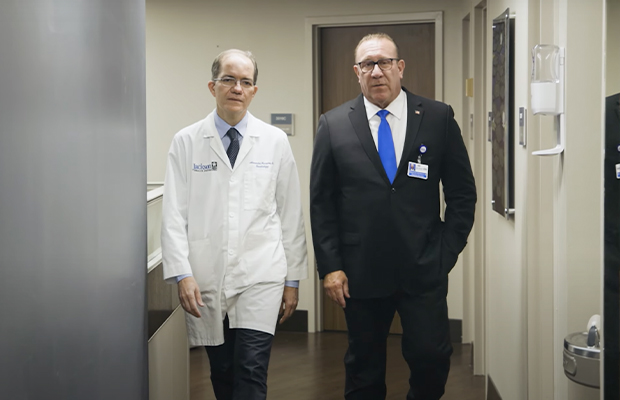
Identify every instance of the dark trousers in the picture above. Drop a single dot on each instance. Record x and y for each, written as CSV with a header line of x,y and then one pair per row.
x,y
611,306
425,344
239,366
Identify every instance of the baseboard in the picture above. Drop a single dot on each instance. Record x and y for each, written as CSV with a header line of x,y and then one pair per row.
x,y
298,322
456,331
492,392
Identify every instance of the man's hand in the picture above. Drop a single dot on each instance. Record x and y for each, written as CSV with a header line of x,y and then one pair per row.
x,y
189,295
336,287
290,298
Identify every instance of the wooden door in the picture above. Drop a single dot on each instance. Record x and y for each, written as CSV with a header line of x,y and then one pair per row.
x,y
338,83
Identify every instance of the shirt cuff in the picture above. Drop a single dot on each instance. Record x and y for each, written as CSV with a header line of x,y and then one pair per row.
x,y
294,284
181,277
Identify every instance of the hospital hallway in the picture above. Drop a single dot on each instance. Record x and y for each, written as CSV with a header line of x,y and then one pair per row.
x,y
309,366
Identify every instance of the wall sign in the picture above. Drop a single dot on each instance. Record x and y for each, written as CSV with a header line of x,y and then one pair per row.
x,y
284,122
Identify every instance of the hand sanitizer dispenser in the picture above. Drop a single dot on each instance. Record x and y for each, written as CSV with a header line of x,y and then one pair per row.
x,y
547,85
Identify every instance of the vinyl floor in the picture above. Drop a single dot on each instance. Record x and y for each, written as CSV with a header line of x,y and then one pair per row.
x,y
309,366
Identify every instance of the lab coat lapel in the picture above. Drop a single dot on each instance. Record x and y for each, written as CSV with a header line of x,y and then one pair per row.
x,y
210,133
251,133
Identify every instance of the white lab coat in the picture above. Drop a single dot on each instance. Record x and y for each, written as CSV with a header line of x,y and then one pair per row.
x,y
239,231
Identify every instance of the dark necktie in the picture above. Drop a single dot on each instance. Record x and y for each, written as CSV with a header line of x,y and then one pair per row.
x,y
385,146
233,148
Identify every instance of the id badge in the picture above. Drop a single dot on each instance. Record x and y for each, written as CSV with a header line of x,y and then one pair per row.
x,y
418,170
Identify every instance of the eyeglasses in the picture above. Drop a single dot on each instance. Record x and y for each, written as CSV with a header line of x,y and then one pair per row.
x,y
232,82
385,64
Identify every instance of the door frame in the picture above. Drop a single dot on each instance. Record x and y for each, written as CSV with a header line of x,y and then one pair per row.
x,y
479,61
313,24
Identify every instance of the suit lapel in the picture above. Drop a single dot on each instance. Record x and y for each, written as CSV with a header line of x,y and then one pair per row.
x,y
414,119
359,120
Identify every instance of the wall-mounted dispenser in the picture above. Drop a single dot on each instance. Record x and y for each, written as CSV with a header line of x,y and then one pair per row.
x,y
547,89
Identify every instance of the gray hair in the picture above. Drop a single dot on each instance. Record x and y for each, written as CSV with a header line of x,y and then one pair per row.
x,y
371,36
217,63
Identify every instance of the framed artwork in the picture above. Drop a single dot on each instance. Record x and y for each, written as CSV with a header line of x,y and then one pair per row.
x,y
502,115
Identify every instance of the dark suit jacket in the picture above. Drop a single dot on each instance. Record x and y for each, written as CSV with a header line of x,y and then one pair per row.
x,y
388,237
612,247
612,157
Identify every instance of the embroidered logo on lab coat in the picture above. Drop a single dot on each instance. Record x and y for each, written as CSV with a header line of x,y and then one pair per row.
x,y
205,167
261,164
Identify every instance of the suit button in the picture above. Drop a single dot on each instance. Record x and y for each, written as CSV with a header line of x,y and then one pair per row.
x,y
393,190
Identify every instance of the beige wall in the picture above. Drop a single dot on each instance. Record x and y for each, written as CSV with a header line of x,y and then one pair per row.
x,y
539,228
505,246
613,49
184,36
583,192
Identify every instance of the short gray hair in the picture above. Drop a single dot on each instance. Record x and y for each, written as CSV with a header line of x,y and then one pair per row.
x,y
217,63
371,36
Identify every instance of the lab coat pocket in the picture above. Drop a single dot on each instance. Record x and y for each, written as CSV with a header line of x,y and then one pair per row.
x,y
201,259
259,190
263,256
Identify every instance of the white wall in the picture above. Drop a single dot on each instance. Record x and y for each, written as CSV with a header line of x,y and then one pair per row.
x,y
184,36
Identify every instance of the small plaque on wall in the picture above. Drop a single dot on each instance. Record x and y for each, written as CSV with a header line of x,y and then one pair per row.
x,y
285,122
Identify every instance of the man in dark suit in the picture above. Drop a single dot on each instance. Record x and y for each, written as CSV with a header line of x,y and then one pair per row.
x,y
612,248
380,243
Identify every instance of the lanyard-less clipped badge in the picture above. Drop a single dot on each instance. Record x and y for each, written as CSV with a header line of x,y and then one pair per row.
x,y
418,170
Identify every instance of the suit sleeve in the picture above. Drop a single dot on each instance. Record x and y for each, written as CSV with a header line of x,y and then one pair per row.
x,y
458,186
174,242
288,198
323,203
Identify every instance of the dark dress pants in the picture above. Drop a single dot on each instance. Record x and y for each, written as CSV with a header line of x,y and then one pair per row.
x,y
239,366
426,344
611,306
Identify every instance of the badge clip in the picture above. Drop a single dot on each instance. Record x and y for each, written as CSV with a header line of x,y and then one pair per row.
x,y
422,151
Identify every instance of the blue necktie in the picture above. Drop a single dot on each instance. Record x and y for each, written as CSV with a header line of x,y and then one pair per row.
x,y
233,148
386,146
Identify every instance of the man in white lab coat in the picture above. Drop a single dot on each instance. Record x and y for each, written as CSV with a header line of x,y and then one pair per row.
x,y
233,232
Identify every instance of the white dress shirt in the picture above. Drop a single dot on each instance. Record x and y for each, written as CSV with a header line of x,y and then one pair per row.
x,y
397,118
